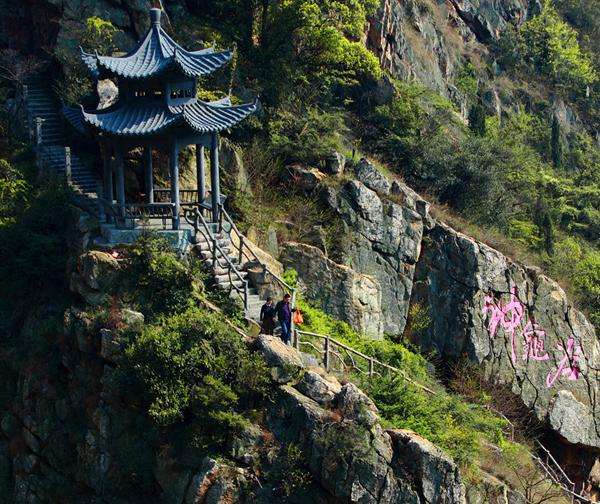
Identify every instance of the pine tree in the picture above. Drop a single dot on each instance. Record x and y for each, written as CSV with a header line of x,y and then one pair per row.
x,y
556,143
477,119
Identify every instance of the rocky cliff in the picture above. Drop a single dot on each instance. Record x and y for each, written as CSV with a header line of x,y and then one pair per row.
x,y
73,435
511,320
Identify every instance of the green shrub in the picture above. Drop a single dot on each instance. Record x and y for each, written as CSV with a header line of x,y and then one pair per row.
x,y
306,136
194,367
156,280
456,426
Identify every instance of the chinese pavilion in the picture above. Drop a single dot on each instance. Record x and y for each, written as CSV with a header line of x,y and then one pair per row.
x,y
157,108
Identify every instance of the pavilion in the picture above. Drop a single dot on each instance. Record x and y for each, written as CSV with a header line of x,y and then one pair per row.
x,y
157,108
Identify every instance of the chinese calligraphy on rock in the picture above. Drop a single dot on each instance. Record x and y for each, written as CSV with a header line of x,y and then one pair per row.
x,y
511,317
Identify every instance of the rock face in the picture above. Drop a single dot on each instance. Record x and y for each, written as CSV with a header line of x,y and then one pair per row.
x,y
351,455
383,240
517,324
340,291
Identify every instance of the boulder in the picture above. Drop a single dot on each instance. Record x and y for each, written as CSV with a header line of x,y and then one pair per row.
x,y
335,163
95,276
338,289
285,361
319,387
108,93
351,456
304,178
234,173
517,325
384,242
370,176
437,475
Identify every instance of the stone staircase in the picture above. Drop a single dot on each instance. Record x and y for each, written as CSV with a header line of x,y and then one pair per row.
x,y
52,151
222,270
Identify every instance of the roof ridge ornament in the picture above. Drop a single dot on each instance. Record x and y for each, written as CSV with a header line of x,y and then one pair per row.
x,y
155,15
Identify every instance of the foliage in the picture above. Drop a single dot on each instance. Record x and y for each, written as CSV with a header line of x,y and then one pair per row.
x,y
95,34
587,282
193,367
39,218
552,46
307,136
458,427
157,281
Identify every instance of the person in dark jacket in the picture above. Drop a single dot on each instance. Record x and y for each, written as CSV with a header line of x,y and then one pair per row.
x,y
284,315
267,317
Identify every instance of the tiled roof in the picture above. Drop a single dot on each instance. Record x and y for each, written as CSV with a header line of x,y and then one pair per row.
x,y
156,53
151,118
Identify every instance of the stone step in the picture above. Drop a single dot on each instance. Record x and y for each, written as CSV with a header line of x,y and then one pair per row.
x,y
206,246
226,286
224,278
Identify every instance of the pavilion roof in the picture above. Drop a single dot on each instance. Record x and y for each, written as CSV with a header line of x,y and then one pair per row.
x,y
146,118
157,53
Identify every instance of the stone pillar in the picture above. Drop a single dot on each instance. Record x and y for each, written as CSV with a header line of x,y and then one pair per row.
x,y
149,179
120,172
200,173
175,183
107,177
214,177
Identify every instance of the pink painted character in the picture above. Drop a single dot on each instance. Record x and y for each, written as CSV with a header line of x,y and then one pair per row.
x,y
533,343
569,364
515,312
496,316
509,317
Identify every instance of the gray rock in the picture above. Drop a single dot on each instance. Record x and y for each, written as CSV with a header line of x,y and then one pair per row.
x,y
370,176
473,292
339,290
384,242
320,388
335,163
436,474
285,361
108,93
305,178
94,277
354,404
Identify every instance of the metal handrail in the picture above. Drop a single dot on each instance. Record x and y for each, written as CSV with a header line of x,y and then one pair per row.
x,y
245,251
372,361
212,240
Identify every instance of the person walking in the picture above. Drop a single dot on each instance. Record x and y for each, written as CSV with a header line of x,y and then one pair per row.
x,y
284,315
267,317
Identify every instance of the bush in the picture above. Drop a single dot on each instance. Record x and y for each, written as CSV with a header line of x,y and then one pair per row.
x,y
194,367
306,136
156,280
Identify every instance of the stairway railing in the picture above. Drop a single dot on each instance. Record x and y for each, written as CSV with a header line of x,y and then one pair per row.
x,y
245,252
219,258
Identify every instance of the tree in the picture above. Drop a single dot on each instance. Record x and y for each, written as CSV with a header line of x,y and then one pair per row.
x,y
477,119
556,143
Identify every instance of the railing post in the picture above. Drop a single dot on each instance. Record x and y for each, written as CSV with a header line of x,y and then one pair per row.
x,y
241,253
214,251
68,164
371,366
296,340
326,357
38,142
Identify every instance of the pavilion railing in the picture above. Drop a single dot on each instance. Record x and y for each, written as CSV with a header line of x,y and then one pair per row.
x,y
187,197
220,259
246,254
135,212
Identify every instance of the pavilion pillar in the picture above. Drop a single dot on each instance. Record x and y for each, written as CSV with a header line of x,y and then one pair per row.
x,y
149,179
175,183
200,173
120,173
214,178
108,181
